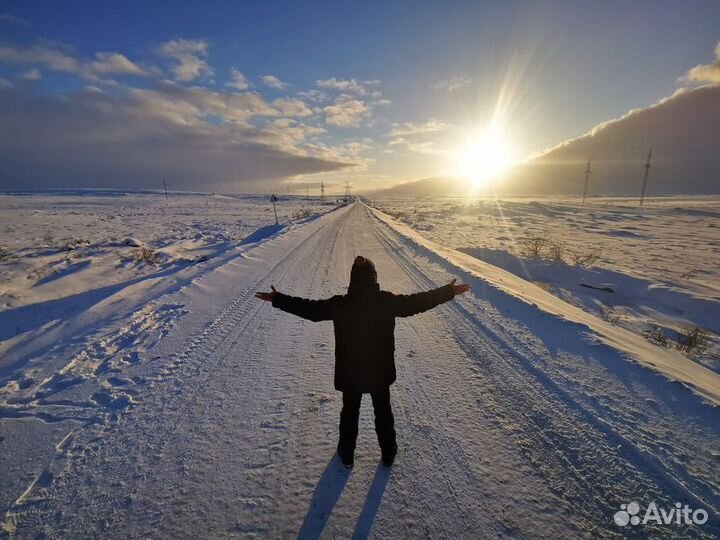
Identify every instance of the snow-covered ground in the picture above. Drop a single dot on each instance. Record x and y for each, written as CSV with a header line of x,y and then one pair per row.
x,y
165,401
59,243
660,261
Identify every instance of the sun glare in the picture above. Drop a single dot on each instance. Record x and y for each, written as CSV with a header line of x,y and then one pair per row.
x,y
484,157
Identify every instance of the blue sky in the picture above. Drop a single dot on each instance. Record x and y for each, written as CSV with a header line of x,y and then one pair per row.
x,y
375,92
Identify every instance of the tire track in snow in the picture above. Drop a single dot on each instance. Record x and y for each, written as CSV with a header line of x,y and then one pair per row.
x,y
476,509
246,315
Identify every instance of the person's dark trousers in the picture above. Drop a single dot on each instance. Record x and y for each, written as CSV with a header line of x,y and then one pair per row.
x,y
384,422
349,417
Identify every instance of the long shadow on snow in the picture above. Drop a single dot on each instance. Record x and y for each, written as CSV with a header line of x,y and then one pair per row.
x,y
631,291
29,317
372,503
327,492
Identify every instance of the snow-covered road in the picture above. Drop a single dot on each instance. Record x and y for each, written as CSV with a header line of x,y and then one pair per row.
x,y
504,431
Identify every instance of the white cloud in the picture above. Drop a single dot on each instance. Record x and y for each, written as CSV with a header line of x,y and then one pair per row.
x,y
452,84
46,53
189,56
356,148
412,136
194,105
239,82
354,103
162,105
31,75
419,147
292,107
412,128
707,72
57,57
347,153
351,86
115,63
288,134
346,112
273,82
314,95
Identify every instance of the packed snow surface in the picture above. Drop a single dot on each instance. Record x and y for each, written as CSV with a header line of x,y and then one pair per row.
x,y
159,398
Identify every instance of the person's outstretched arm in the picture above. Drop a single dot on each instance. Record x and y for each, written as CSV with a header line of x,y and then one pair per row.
x,y
313,310
405,305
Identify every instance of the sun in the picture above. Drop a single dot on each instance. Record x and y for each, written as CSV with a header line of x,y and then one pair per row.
x,y
484,157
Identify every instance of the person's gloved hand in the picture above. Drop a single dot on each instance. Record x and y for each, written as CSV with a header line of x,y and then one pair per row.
x,y
461,288
268,296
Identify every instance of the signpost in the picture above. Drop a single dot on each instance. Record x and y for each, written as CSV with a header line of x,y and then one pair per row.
x,y
273,198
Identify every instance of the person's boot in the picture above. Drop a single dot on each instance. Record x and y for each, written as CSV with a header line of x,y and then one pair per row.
x,y
346,457
388,457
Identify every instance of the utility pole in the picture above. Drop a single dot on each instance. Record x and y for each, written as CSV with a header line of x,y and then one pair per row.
x,y
645,178
274,199
588,172
165,186
322,191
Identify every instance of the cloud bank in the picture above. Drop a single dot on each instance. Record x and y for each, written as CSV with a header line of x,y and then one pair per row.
x,y
683,131
91,139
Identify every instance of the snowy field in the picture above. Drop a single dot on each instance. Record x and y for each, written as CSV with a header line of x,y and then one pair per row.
x,y
145,393
654,270
58,244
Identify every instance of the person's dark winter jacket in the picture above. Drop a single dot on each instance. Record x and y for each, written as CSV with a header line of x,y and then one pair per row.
x,y
364,321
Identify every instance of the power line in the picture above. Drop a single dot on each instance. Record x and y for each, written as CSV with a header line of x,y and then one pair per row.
x,y
588,172
645,177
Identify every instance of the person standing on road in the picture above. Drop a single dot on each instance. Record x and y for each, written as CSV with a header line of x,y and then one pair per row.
x,y
364,321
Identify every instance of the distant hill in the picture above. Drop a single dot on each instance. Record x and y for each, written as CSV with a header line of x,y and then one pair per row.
x,y
682,130
435,186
